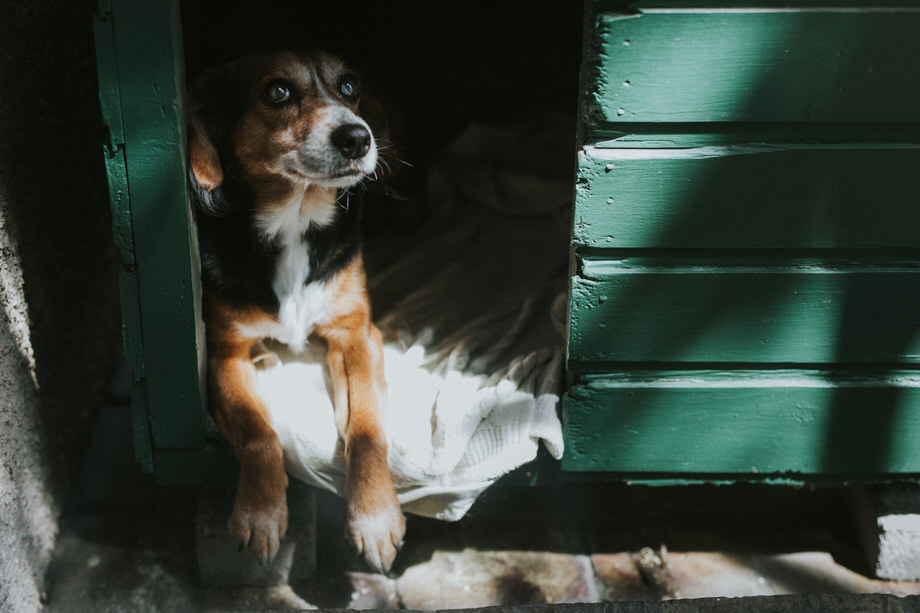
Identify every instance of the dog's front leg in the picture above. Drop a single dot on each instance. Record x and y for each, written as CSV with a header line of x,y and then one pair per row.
x,y
259,517
375,523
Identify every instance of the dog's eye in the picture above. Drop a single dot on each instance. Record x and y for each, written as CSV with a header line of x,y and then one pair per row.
x,y
349,88
277,92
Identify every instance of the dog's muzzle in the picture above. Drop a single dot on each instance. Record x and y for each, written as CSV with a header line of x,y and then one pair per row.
x,y
339,151
351,140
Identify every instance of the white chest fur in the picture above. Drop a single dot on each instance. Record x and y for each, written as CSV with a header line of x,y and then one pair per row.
x,y
302,306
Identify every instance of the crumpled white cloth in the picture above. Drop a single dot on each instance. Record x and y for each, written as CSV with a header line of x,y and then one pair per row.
x,y
472,308
449,437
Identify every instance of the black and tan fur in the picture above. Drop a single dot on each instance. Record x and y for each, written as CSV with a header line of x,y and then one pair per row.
x,y
275,142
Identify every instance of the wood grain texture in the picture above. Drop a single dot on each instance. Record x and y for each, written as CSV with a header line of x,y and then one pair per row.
x,y
744,423
745,241
764,65
625,311
749,195
142,92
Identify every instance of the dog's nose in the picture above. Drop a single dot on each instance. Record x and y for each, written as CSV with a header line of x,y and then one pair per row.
x,y
352,140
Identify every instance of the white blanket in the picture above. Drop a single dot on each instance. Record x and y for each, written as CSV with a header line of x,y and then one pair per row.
x,y
450,438
472,309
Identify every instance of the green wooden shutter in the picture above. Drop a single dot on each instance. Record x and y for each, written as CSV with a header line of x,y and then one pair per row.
x,y
746,237
141,85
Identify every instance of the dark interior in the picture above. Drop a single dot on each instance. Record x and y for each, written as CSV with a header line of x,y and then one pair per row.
x,y
441,64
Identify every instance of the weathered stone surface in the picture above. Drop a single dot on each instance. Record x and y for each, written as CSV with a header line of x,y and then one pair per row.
x,y
850,603
709,575
371,591
104,563
889,525
58,279
620,579
479,579
809,572
265,598
898,546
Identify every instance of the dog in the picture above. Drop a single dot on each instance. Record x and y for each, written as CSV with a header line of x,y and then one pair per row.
x,y
276,143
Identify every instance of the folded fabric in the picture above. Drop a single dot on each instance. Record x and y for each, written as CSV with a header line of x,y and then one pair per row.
x,y
449,436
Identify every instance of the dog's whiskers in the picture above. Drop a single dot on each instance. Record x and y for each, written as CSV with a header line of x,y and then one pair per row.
x,y
346,194
383,164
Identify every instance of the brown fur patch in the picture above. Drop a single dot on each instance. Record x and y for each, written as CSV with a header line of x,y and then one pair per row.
x,y
203,158
259,516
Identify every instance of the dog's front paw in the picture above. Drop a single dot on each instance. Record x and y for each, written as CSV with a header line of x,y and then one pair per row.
x,y
377,533
259,527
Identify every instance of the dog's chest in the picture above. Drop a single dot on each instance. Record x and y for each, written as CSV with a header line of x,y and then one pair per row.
x,y
302,304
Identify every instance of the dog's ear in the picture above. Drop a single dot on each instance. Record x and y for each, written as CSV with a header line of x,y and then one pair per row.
x,y
207,118
202,156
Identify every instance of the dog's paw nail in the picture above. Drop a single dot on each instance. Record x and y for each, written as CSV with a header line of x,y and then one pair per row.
x,y
260,531
377,537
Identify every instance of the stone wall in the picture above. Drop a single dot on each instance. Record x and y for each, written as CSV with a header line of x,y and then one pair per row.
x,y
58,277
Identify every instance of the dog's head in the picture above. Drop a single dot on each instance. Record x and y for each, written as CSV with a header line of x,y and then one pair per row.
x,y
280,121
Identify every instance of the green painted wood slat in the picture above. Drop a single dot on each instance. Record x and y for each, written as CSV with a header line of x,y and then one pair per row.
x,y
109,87
747,200
750,425
122,230
146,50
637,312
795,64
749,196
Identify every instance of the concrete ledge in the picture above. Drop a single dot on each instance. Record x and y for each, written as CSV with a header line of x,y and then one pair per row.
x,y
889,526
849,603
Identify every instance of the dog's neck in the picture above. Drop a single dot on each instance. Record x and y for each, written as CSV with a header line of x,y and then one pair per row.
x,y
291,213
286,222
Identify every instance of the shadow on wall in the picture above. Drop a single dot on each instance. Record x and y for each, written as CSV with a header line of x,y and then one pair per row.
x,y
443,63
55,209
